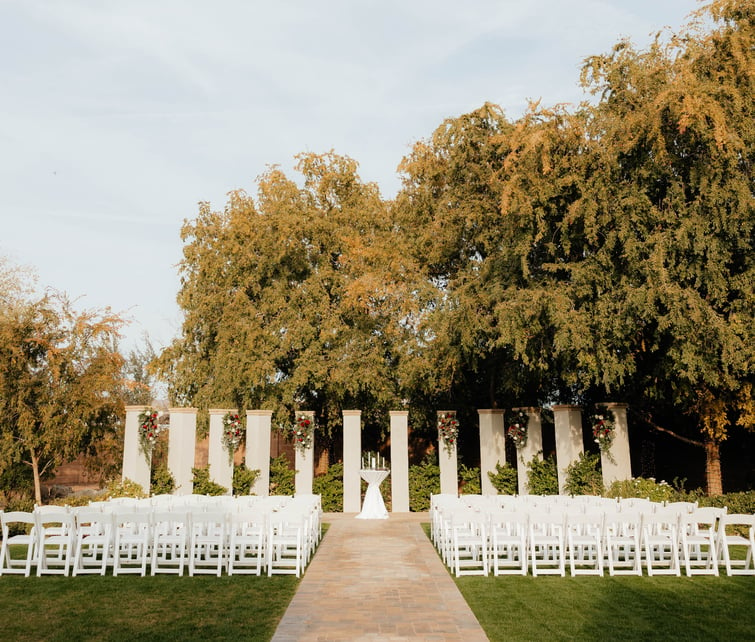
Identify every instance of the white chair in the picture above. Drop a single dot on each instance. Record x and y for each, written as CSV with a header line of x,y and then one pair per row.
x,y
247,544
469,554
584,543
697,541
207,542
660,543
170,538
14,521
546,544
737,530
94,539
621,542
131,542
285,544
508,543
55,541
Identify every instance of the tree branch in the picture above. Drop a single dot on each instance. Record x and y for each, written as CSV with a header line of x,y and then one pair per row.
x,y
646,418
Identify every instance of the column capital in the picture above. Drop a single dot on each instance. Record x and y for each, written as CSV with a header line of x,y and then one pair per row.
x,y
187,411
352,413
566,407
490,411
222,411
398,413
259,413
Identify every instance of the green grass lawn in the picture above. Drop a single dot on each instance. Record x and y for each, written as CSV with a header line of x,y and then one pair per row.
x,y
143,608
612,608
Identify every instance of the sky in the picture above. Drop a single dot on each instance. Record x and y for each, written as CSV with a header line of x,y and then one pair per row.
x,y
118,118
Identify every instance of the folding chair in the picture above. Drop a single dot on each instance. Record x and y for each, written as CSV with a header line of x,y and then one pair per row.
x,y
661,543
285,544
469,544
508,543
207,542
621,542
131,541
94,539
584,543
546,543
738,531
170,538
247,544
55,539
697,540
13,522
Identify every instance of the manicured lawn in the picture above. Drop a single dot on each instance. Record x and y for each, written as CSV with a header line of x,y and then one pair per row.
x,y
143,608
613,608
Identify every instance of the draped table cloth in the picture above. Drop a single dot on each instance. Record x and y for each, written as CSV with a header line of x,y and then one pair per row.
x,y
373,507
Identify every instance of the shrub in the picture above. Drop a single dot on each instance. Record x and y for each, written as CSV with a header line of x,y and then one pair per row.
x,y
469,480
161,481
424,481
123,488
243,479
282,478
330,488
505,479
583,476
644,488
203,485
542,476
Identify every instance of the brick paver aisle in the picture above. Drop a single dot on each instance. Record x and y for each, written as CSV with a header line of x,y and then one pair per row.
x,y
377,580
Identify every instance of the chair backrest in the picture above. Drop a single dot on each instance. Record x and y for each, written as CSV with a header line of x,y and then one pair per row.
x,y
16,521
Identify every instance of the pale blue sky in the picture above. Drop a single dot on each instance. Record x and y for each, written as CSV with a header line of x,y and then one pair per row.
x,y
117,118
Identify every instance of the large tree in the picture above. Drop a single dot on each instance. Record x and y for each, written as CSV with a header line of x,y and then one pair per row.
x,y
633,221
292,299
60,382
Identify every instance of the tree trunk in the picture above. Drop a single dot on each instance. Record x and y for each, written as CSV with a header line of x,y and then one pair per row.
x,y
713,467
35,472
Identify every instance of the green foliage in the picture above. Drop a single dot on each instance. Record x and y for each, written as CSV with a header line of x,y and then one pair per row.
x,y
644,488
330,488
469,480
424,481
504,479
743,502
123,488
282,478
161,481
243,479
584,476
203,485
542,476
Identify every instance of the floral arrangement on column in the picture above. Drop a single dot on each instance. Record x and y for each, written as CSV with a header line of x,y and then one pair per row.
x,y
603,428
448,430
232,433
302,432
517,431
149,431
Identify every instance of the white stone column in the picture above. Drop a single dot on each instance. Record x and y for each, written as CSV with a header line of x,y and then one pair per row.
x,y
258,427
569,443
449,469
352,457
617,463
136,465
305,461
532,448
492,446
182,443
399,461
220,464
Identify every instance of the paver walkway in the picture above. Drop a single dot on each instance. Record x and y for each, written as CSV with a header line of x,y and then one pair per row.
x,y
377,580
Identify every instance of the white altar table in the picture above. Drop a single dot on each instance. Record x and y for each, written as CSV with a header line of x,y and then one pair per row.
x,y
373,507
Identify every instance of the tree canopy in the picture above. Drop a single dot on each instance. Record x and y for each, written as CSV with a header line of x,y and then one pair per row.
x,y
572,254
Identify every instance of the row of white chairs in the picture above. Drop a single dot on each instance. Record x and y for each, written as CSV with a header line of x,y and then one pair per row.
x,y
477,538
277,536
